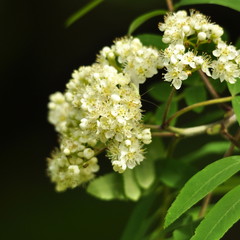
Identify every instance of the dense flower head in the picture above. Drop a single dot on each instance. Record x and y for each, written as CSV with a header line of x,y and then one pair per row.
x,y
179,63
74,162
179,27
111,104
181,58
100,106
129,56
226,66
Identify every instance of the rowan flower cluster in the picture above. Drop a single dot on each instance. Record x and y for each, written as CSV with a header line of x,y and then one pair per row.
x,y
74,162
101,107
129,56
185,34
227,65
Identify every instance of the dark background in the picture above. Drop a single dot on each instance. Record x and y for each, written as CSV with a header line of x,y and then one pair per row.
x,y
37,57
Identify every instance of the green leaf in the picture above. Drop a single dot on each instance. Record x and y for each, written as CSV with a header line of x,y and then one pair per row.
x,y
195,94
194,80
155,149
209,116
160,91
221,217
234,88
153,40
201,184
226,3
107,187
143,18
138,224
218,86
227,186
185,232
160,111
174,173
82,11
131,188
236,107
207,149
145,173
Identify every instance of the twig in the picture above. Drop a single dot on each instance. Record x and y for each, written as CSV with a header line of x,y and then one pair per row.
x,y
208,84
211,89
231,148
212,128
170,5
228,136
164,134
204,103
168,104
205,204
152,126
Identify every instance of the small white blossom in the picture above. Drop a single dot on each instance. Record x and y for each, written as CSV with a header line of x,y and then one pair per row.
x,y
225,52
175,75
228,71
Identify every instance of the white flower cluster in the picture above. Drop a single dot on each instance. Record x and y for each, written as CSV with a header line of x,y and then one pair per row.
x,y
227,65
132,58
185,34
179,26
74,163
111,106
180,64
101,107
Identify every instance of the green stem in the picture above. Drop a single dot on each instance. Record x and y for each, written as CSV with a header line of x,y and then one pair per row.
x,y
168,104
204,103
212,128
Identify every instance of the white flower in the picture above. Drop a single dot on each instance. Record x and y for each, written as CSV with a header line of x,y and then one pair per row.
x,y
175,75
225,52
227,71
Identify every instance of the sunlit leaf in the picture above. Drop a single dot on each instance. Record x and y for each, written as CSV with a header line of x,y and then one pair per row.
x,y
201,184
226,3
107,187
143,18
221,217
131,188
145,173
234,88
82,11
